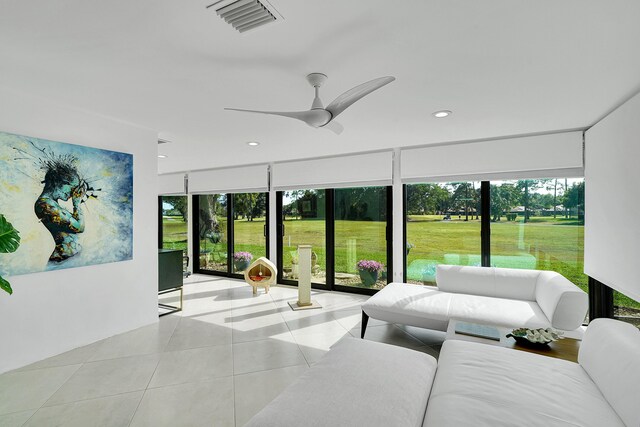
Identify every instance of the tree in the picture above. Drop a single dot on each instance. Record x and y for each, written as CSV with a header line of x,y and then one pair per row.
x,y
558,189
464,197
527,188
503,198
179,203
425,199
211,206
574,198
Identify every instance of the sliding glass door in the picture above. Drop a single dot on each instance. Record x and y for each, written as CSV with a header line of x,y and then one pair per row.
x,y
232,231
347,229
361,237
442,227
303,222
539,224
249,229
213,250
174,222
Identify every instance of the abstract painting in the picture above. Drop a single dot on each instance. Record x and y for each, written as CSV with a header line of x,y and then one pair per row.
x,y
71,205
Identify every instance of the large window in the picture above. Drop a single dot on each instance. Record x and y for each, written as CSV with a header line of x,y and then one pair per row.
x,y
174,223
530,224
361,237
303,223
539,224
232,230
442,226
213,232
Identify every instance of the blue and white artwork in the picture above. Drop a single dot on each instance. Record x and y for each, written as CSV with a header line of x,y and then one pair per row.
x,y
72,205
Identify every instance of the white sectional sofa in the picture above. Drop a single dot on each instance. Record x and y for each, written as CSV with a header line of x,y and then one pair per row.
x,y
496,296
361,383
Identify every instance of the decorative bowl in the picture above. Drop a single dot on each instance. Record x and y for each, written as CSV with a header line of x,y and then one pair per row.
x,y
536,337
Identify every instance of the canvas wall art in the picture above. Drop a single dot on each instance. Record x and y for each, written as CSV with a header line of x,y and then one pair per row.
x,y
71,205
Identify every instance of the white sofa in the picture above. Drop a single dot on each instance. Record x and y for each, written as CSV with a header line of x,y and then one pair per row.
x,y
362,383
497,296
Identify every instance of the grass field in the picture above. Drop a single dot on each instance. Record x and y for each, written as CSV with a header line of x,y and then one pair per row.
x,y
542,243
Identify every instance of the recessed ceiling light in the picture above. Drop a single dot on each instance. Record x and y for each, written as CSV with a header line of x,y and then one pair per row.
x,y
442,114
162,156
253,143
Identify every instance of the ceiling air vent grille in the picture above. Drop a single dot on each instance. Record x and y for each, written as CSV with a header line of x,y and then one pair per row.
x,y
244,15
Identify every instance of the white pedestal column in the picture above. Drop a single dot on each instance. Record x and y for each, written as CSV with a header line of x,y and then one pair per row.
x,y
304,280
304,275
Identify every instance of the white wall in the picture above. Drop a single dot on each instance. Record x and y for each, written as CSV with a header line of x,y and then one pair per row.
x,y
56,311
612,233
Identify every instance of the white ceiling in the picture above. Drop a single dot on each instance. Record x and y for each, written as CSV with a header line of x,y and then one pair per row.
x,y
505,67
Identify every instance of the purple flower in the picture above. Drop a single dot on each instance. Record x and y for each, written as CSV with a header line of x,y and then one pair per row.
x,y
369,265
242,256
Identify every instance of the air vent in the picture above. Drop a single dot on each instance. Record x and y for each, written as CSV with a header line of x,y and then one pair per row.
x,y
244,15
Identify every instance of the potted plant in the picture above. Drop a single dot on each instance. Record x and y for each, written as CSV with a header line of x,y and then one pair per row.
x,y
9,242
241,260
368,271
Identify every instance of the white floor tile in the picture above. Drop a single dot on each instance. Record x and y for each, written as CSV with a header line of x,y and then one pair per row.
x,y
207,404
16,419
199,332
266,354
389,334
255,390
197,364
258,327
351,319
30,389
146,340
427,336
73,357
112,411
107,378
315,345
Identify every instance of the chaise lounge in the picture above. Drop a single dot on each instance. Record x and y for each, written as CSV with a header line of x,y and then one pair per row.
x,y
364,383
497,296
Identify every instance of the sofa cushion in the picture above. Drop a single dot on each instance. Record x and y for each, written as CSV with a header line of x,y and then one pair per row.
x,y
428,307
483,385
416,305
507,283
564,304
359,383
610,354
497,311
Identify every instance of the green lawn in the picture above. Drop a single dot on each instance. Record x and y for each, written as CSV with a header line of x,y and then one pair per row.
x,y
542,243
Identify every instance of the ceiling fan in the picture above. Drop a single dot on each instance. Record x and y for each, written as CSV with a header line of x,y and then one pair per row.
x,y
319,116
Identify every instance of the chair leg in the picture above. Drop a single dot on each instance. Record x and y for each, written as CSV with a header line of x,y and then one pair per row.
x,y
365,320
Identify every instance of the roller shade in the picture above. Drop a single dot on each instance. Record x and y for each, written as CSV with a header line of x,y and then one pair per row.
x,y
611,232
335,172
242,179
555,155
173,183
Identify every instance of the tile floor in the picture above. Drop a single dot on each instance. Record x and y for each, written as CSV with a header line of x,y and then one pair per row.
x,y
217,363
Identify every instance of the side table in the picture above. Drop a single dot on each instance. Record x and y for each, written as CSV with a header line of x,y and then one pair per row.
x,y
566,348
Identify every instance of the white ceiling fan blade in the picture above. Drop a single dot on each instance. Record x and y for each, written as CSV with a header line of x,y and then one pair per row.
x,y
300,115
334,127
314,118
345,100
